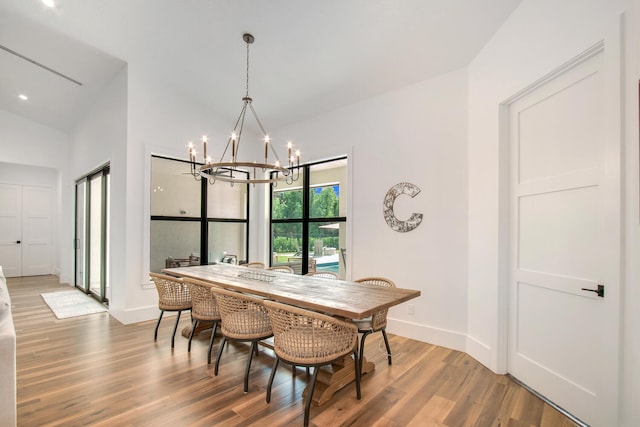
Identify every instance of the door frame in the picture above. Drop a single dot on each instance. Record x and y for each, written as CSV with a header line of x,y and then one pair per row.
x,y
613,130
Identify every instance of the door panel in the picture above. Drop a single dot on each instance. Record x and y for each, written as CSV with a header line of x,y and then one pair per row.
x,y
10,230
37,247
557,329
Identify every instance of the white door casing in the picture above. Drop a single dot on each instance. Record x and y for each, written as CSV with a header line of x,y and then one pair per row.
x,y
565,237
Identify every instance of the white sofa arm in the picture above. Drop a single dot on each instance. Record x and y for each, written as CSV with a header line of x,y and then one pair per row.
x,y
8,414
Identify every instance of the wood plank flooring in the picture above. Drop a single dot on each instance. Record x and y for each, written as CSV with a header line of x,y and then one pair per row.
x,y
92,370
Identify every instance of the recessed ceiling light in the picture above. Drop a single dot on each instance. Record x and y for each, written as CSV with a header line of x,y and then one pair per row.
x,y
23,97
49,3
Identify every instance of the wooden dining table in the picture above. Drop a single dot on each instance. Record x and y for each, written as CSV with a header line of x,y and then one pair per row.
x,y
340,298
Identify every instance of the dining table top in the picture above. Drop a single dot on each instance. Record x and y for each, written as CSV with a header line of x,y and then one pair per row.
x,y
346,299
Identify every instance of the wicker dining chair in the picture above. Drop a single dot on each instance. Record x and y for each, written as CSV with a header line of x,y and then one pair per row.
x,y
282,268
204,308
378,321
310,339
323,274
244,318
173,295
254,264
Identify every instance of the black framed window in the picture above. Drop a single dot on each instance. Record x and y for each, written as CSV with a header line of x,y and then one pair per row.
x,y
192,221
308,219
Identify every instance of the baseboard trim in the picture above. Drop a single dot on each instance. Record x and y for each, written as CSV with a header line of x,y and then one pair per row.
x,y
425,333
481,352
137,315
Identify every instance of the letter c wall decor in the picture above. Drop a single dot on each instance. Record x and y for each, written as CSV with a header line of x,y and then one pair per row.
x,y
394,192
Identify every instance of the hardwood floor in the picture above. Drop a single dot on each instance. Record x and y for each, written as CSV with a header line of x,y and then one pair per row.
x,y
92,370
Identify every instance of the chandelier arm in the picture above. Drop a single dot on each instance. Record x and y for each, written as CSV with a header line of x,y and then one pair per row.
x,y
226,148
239,133
255,115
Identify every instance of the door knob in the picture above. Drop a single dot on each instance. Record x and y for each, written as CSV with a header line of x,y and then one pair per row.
x,y
18,241
599,291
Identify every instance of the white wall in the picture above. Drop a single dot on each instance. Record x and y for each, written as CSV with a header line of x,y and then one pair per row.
x,y
24,144
540,36
159,121
100,137
416,134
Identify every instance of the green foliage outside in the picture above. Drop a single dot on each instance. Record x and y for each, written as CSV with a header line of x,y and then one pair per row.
x,y
288,205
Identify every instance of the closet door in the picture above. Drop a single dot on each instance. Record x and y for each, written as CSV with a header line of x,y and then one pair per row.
x,y
11,230
26,230
37,236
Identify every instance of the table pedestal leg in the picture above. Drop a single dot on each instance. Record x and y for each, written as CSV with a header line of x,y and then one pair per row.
x,y
335,377
202,326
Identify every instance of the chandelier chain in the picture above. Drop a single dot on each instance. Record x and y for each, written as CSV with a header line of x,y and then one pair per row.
x,y
247,95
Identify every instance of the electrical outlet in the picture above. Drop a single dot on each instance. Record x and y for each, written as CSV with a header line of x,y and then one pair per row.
x,y
411,309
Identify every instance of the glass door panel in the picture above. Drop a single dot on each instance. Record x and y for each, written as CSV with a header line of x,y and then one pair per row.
x,y
95,234
106,290
80,236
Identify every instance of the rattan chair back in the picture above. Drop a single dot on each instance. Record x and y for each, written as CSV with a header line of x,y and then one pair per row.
x,y
203,302
244,317
173,293
323,274
254,264
379,318
303,337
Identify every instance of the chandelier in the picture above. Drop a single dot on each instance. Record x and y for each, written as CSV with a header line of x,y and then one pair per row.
x,y
229,168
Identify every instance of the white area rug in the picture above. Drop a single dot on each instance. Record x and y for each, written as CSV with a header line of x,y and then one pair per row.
x,y
72,303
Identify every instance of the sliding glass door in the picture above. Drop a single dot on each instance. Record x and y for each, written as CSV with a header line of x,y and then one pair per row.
x,y
92,231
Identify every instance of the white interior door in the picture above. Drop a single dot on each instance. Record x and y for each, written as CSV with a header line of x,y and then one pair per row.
x,y
562,335
11,230
37,245
26,246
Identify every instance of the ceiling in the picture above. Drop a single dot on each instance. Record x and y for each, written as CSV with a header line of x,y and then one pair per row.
x,y
309,57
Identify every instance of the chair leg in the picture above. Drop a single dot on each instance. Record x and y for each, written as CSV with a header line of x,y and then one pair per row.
x,y
386,343
364,336
271,377
358,373
213,335
175,328
194,324
155,334
254,344
307,404
215,369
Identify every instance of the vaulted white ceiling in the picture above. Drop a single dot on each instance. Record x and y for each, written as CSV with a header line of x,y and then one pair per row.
x,y
309,57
